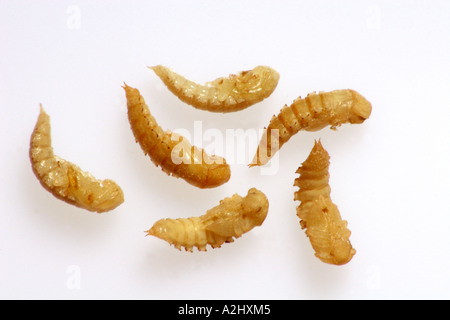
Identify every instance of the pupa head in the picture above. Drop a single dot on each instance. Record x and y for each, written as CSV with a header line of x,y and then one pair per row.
x,y
360,110
257,79
255,207
328,233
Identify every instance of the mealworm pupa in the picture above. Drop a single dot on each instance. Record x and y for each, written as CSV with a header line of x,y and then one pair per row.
x,y
65,180
225,94
324,226
312,113
188,162
233,217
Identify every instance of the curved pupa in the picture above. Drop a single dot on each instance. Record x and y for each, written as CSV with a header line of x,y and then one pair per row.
x,y
173,152
233,217
327,232
312,113
65,180
230,94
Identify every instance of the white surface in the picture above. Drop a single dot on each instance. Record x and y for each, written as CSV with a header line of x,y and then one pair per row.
x,y
389,176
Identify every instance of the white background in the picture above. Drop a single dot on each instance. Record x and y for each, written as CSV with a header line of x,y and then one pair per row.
x,y
389,176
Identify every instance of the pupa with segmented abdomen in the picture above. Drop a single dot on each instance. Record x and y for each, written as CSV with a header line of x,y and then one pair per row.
x,y
327,231
173,152
225,94
312,113
230,219
65,180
